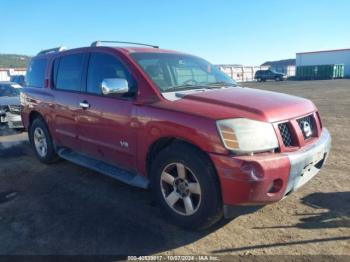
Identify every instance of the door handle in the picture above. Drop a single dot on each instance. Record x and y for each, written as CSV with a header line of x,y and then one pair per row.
x,y
84,105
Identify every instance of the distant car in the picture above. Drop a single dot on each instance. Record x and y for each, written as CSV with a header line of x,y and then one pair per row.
x,y
10,107
19,79
263,75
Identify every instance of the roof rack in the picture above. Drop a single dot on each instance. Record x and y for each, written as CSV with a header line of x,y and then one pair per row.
x,y
52,50
98,43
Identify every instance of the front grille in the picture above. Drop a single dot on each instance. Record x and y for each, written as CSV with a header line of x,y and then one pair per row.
x,y
307,126
285,134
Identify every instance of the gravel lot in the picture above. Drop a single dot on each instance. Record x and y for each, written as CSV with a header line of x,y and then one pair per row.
x,y
66,209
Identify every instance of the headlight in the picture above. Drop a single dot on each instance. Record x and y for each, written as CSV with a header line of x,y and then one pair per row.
x,y
242,135
3,110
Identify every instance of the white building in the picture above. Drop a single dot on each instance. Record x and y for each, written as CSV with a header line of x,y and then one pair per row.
x,y
327,57
6,73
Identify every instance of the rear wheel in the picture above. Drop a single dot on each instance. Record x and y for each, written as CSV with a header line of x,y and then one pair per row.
x,y
185,186
41,141
259,79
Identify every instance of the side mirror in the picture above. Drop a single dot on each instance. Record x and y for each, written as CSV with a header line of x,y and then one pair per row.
x,y
112,86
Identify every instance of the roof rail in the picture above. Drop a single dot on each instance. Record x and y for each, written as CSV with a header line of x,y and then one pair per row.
x,y
52,50
98,43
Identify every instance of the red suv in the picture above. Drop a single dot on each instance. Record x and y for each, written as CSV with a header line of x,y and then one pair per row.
x,y
175,123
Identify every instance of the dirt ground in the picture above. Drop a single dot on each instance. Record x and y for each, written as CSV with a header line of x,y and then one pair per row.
x,y
67,209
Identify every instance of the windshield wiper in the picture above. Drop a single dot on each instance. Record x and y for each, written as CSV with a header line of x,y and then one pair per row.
x,y
221,83
199,86
185,87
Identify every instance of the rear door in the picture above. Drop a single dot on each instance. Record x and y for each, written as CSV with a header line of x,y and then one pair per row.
x,y
105,123
67,85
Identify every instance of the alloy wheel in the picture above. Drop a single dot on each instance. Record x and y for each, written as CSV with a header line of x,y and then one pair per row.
x,y
40,142
181,189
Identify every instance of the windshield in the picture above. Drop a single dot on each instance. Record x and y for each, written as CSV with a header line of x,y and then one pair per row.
x,y
175,72
7,90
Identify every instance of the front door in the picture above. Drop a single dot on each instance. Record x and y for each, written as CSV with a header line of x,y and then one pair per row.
x,y
105,124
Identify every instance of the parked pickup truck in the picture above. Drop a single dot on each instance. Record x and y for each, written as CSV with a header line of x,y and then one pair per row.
x,y
174,123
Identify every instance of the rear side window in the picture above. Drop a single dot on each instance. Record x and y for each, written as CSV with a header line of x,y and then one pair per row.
x,y
36,73
69,72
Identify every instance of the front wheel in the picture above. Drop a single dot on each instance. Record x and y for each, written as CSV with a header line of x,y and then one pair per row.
x,y
41,141
185,185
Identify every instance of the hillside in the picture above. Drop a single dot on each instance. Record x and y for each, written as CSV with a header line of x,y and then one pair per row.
x,y
13,61
280,63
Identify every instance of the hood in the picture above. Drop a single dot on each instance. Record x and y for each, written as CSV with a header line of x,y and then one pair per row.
x,y
9,100
243,102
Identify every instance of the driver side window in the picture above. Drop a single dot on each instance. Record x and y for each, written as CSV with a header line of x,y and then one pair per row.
x,y
102,66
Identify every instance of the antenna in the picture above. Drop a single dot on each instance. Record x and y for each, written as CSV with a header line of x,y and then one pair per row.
x,y
98,43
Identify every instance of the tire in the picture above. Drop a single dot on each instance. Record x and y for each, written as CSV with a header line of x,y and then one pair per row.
x,y
186,165
41,141
259,79
277,78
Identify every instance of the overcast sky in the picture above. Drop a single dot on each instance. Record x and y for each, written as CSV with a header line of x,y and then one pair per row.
x,y
222,31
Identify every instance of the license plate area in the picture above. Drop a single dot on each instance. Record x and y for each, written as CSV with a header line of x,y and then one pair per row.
x,y
311,169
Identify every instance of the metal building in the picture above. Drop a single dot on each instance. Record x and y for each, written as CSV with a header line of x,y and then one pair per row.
x,y
326,57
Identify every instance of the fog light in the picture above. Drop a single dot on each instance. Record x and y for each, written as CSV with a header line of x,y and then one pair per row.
x,y
253,171
275,186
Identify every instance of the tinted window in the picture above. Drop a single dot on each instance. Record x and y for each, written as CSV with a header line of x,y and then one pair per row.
x,y
102,66
56,63
69,74
36,73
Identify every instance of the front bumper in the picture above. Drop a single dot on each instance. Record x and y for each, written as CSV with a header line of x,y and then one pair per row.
x,y
266,178
14,120
306,163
